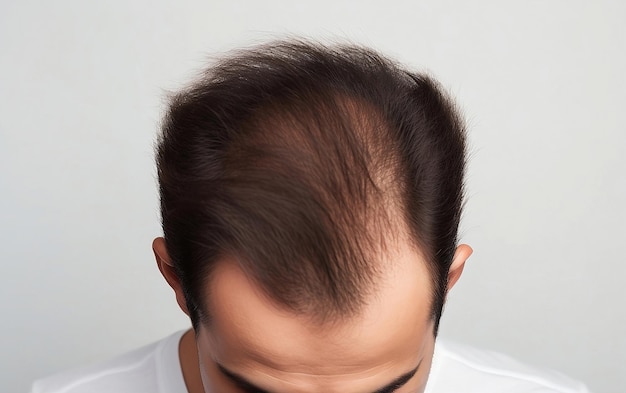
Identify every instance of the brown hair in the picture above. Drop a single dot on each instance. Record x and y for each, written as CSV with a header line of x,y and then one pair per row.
x,y
303,161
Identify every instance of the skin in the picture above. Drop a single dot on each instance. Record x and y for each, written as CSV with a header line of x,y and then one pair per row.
x,y
282,352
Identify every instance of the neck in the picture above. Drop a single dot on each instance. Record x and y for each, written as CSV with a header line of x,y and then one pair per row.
x,y
188,354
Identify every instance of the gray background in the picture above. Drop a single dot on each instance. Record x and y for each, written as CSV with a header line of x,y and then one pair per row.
x,y
541,84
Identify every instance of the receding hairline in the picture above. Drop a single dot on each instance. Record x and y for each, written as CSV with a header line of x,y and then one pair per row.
x,y
320,323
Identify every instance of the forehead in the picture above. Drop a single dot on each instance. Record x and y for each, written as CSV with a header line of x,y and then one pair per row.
x,y
248,330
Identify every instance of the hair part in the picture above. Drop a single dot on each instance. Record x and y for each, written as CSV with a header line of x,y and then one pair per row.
x,y
306,162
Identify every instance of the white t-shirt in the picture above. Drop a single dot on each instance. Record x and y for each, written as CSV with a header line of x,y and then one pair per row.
x,y
456,368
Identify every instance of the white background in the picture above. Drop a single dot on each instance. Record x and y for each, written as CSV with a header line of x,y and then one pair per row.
x,y
82,89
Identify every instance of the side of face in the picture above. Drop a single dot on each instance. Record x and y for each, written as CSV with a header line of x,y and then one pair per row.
x,y
387,348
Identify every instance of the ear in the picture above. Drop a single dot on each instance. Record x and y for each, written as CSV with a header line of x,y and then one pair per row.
x,y
169,273
461,255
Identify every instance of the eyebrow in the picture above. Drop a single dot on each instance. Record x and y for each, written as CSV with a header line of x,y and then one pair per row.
x,y
249,387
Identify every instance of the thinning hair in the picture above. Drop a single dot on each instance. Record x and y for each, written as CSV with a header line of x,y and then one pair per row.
x,y
304,162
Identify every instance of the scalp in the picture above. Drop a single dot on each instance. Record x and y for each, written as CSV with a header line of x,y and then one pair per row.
x,y
306,162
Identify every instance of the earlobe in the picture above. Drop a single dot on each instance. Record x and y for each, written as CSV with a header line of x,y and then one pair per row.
x,y
168,271
461,255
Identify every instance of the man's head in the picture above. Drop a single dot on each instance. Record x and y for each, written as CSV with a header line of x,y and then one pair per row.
x,y
310,199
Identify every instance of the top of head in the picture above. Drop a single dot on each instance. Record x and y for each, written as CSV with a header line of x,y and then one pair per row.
x,y
306,163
